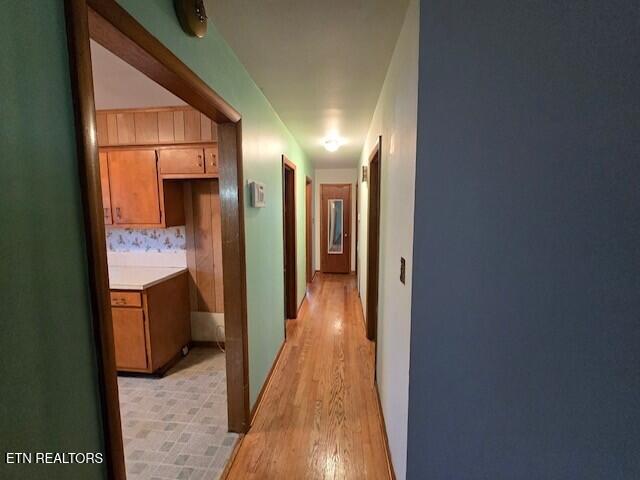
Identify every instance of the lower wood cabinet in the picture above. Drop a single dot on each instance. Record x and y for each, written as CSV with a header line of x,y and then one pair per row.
x,y
150,327
129,337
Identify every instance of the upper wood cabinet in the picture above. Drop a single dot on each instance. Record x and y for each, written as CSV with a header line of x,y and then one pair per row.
x,y
211,159
180,160
156,126
106,190
138,198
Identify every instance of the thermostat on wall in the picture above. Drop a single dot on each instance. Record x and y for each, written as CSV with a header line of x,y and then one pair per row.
x,y
256,191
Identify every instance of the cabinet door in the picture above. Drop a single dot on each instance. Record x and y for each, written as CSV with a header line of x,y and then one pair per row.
x,y
181,160
133,176
129,338
106,191
211,159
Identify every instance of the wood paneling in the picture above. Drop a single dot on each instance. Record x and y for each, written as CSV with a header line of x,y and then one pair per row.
x,y
151,126
101,128
106,190
319,416
126,128
216,229
129,337
134,187
112,128
181,160
178,126
165,127
191,126
146,128
205,129
204,245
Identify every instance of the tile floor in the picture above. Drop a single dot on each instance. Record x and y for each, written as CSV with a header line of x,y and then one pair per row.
x,y
176,426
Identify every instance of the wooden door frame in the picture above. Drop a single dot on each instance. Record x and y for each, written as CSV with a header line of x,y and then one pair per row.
x,y
373,238
290,248
115,29
309,228
347,224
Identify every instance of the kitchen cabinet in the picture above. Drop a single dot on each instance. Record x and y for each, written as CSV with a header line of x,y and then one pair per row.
x,y
133,178
151,325
180,160
106,190
211,159
129,338
137,196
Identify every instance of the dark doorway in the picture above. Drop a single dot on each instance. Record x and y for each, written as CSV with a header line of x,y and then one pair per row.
x,y
289,218
335,228
373,242
309,228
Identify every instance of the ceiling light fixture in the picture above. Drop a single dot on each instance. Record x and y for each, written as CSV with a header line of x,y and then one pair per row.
x,y
332,144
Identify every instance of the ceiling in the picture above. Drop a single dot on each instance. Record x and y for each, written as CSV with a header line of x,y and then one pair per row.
x,y
321,64
117,84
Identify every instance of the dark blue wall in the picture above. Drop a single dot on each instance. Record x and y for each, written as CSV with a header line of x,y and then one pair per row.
x,y
525,348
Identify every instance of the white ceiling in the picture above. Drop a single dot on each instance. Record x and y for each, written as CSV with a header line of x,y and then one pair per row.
x,y
117,84
321,63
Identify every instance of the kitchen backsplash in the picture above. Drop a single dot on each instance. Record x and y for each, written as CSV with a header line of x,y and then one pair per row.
x,y
146,239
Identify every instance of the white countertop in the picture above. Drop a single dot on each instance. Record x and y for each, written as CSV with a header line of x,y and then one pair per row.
x,y
139,278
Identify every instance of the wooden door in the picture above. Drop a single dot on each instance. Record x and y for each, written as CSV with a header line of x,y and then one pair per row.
x,y
106,191
309,229
290,257
133,176
129,338
335,229
181,160
373,243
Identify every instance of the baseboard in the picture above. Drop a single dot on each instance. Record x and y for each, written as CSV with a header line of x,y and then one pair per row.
x,y
304,298
234,453
265,385
207,344
383,427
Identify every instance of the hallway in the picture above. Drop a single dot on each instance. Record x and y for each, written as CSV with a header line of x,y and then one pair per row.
x,y
319,417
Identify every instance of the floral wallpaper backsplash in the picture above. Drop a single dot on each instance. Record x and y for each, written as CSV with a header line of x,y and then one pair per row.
x,y
146,239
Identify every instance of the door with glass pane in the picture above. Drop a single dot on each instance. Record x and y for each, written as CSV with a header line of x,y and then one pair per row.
x,y
335,228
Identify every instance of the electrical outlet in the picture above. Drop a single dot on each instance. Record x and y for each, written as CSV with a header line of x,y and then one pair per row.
x,y
403,268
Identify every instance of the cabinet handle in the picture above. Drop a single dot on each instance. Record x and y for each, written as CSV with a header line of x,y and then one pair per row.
x,y
199,160
213,160
118,213
106,213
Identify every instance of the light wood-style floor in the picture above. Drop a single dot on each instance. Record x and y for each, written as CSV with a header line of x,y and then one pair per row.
x,y
319,417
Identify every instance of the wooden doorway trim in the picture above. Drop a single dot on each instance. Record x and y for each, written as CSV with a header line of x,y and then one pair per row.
x,y
373,241
112,26
289,239
309,227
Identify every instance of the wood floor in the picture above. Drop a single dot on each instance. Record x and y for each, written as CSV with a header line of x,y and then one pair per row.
x,y
319,417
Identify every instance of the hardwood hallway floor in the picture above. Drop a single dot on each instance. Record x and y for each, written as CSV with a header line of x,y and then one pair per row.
x,y
319,417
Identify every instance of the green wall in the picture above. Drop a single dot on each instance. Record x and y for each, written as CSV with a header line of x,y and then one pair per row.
x,y
265,139
48,392
48,395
